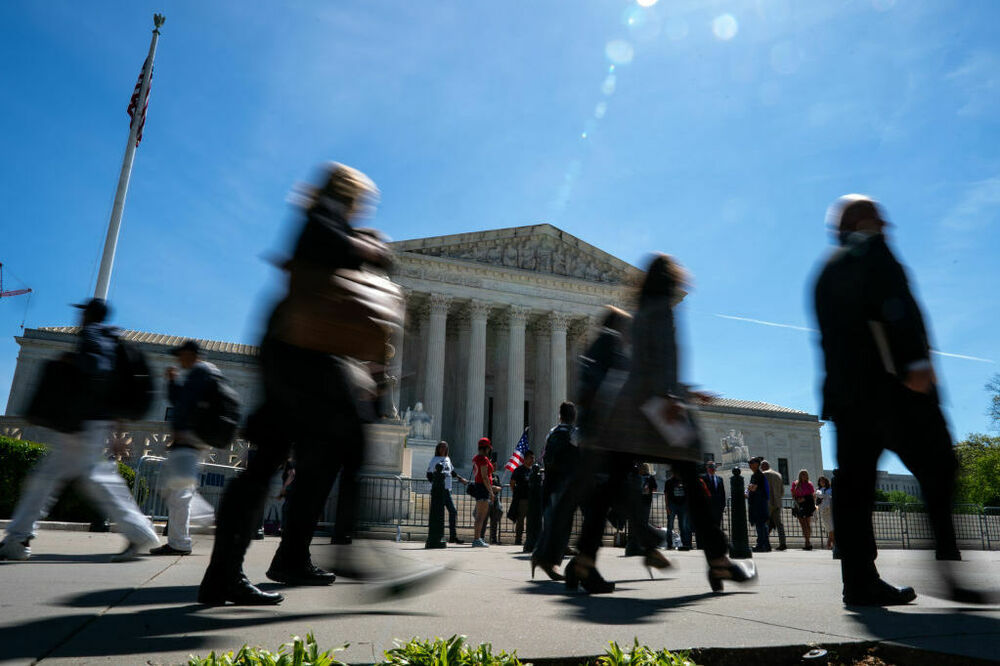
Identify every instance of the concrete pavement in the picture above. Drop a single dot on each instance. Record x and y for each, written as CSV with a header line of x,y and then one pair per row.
x,y
69,605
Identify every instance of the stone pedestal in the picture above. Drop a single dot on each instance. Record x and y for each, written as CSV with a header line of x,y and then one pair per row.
x,y
421,451
386,449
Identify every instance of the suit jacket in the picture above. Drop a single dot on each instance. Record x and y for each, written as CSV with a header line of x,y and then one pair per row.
x,y
776,486
716,493
871,328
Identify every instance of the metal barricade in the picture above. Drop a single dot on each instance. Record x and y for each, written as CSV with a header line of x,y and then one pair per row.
x,y
149,483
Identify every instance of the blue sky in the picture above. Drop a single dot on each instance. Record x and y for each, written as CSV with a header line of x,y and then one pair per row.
x,y
716,131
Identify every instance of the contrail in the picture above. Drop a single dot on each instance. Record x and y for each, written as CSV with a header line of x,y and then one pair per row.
x,y
964,357
768,323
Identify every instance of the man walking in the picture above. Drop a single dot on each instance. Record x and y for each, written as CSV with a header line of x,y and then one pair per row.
x,y
79,456
716,491
181,470
776,490
880,391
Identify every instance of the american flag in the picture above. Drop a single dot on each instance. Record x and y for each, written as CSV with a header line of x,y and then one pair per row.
x,y
133,103
517,458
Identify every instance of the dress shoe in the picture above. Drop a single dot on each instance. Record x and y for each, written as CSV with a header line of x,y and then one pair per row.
x,y
878,593
341,540
782,547
167,549
948,556
240,592
306,574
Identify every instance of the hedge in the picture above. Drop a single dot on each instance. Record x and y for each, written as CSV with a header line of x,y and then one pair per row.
x,y
18,457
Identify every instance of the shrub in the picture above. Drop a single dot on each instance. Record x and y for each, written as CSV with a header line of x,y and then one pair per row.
x,y
447,652
295,653
642,656
18,457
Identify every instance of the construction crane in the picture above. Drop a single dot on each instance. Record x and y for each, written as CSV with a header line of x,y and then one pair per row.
x,y
14,292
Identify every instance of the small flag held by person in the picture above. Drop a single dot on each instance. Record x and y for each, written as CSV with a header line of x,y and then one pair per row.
x,y
133,104
517,458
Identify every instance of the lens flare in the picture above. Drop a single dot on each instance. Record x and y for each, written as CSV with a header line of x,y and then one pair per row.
x,y
619,52
608,87
646,3
600,110
725,27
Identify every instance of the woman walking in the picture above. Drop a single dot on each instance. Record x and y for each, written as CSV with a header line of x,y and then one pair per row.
x,y
824,504
804,495
629,434
481,489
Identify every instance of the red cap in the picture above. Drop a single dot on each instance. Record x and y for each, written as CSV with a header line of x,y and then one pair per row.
x,y
484,442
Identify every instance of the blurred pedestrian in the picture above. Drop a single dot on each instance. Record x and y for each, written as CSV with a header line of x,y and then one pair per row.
x,y
519,488
716,491
450,474
628,433
496,509
79,455
880,390
776,490
187,451
317,393
648,490
758,503
481,490
561,454
804,495
824,508
675,497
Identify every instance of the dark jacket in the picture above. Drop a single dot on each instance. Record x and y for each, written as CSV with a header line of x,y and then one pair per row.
x,y
184,396
96,354
716,493
757,499
675,492
595,398
560,456
863,284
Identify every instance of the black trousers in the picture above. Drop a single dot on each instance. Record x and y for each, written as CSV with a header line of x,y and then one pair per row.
x,y
449,504
913,427
311,409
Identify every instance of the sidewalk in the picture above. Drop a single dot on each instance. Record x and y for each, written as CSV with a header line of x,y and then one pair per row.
x,y
68,605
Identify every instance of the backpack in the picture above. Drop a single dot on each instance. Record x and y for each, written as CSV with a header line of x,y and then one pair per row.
x,y
57,402
131,383
216,415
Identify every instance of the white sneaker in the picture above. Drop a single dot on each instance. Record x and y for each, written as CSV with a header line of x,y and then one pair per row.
x,y
133,551
479,543
14,550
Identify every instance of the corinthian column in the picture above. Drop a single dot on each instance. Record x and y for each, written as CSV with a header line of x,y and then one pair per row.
x,y
475,395
437,319
516,317
558,321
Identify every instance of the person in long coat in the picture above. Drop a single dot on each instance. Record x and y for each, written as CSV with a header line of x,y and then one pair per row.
x,y
653,374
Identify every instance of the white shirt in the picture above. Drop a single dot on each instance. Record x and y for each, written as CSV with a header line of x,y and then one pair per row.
x,y
446,467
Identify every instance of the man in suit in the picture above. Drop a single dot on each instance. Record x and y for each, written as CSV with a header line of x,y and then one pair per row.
x,y
880,391
716,492
776,485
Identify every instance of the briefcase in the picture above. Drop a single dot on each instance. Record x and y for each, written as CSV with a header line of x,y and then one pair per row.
x,y
350,312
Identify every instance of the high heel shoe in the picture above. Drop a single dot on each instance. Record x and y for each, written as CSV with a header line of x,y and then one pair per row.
x,y
580,574
734,571
655,560
549,569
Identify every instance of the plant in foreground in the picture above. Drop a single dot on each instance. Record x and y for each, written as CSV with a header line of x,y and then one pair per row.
x,y
642,656
295,653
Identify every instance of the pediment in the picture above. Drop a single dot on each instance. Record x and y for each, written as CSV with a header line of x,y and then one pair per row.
x,y
539,248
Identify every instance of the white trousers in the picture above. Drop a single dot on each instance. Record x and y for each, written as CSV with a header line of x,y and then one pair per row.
x,y
184,505
80,457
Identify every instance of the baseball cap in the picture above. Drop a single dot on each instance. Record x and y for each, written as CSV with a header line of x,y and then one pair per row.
x,y
484,442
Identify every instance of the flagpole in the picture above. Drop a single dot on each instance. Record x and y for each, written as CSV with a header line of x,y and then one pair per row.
x,y
111,241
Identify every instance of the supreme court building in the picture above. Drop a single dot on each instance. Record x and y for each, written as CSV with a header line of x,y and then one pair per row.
x,y
494,323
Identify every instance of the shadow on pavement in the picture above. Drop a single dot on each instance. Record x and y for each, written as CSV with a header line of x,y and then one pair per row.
x,y
956,630
151,630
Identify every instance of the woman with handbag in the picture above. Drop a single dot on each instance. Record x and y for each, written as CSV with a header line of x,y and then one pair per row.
x,y
804,495
649,422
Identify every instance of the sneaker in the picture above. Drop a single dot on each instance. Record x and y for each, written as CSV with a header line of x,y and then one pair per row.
x,y
15,550
479,543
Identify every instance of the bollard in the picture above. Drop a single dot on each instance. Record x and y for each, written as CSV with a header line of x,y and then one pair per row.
x,y
739,546
533,519
435,523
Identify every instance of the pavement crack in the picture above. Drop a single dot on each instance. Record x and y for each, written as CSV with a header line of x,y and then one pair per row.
x,y
96,616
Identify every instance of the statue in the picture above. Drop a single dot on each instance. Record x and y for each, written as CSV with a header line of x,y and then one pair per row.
x,y
418,421
734,449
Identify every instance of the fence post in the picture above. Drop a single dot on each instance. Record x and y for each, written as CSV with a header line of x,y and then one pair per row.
x,y
984,535
904,526
740,541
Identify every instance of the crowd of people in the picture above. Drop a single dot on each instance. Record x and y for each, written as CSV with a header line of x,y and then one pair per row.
x,y
323,363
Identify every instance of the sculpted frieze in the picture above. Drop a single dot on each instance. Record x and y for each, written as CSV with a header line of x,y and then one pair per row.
x,y
539,254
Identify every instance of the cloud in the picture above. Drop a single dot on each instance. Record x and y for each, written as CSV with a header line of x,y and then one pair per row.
x,y
964,357
978,82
